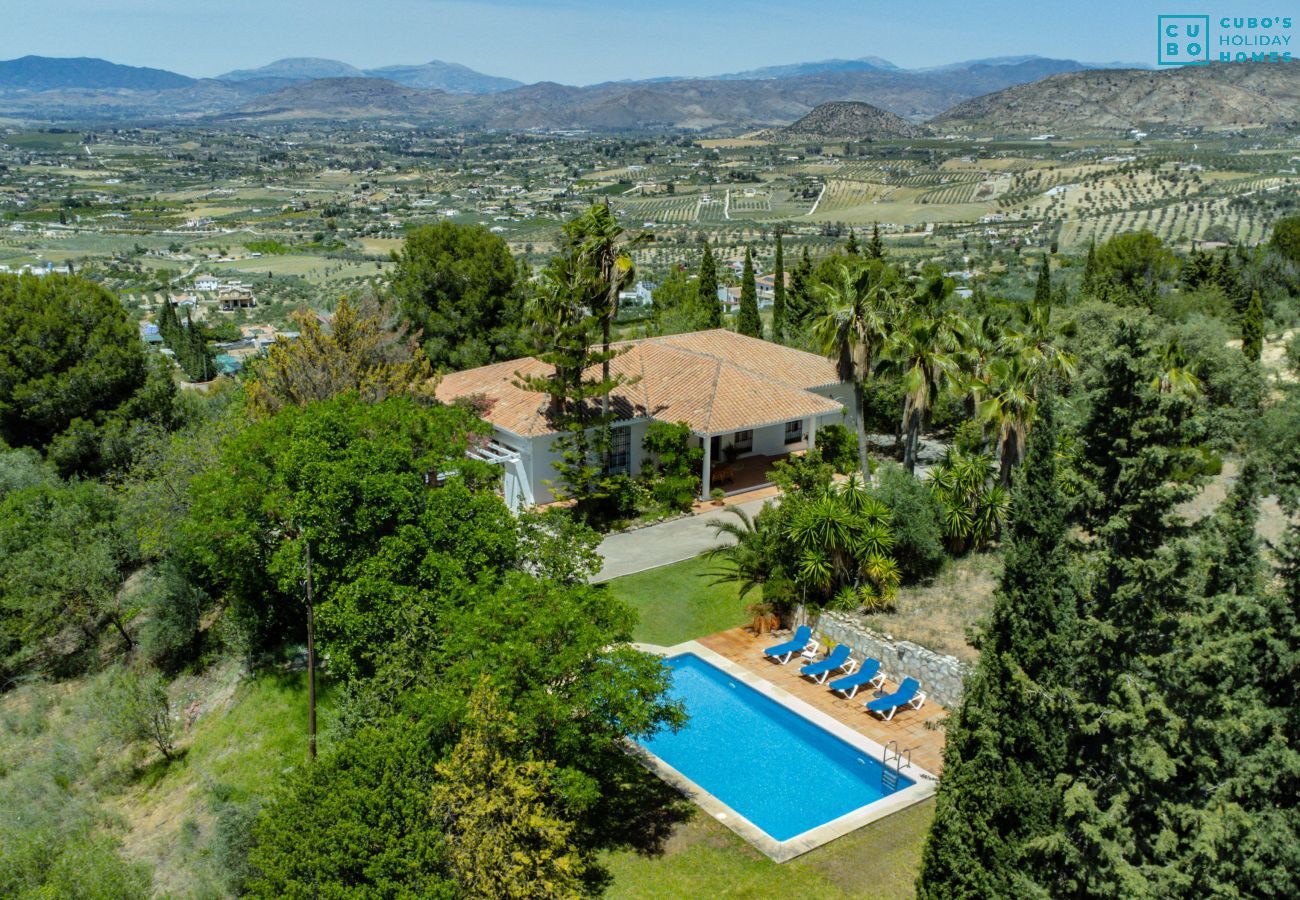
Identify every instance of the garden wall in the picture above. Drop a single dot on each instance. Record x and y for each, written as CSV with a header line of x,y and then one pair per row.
x,y
941,676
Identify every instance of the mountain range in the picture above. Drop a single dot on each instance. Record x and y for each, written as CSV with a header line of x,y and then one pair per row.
x,y
1007,94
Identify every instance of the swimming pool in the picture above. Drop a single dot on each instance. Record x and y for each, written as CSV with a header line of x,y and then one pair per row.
x,y
770,765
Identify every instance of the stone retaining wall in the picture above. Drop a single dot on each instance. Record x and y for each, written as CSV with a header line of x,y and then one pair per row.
x,y
941,676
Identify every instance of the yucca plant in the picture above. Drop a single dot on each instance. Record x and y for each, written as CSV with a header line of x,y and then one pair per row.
x,y
972,505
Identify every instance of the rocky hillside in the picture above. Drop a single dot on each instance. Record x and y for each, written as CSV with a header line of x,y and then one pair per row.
x,y
852,120
1219,96
345,99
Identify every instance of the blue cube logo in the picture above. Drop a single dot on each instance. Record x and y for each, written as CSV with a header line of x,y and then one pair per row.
x,y
1184,40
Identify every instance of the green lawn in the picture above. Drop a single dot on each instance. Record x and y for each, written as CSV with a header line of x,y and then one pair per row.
x,y
705,859
679,602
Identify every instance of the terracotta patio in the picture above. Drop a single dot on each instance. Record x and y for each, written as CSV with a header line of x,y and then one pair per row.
x,y
913,729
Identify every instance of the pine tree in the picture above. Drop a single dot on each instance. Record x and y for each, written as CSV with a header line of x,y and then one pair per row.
x,y
851,245
1252,328
707,290
875,247
748,321
1010,736
778,293
1115,834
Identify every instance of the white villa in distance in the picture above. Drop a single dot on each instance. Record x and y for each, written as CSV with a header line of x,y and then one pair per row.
x,y
748,402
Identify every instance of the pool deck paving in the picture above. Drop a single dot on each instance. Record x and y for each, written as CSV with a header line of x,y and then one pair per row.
x,y
914,729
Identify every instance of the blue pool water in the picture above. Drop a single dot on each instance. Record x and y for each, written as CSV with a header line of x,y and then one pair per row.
x,y
774,767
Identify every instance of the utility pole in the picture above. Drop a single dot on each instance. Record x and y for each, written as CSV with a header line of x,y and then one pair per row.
x,y
311,661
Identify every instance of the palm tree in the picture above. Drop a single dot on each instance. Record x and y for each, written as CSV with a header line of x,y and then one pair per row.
x,y
1177,374
1041,337
926,354
860,307
747,559
1010,406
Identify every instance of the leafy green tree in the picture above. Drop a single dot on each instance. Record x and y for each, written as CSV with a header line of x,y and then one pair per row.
x,y
1285,239
459,288
502,835
1252,329
63,558
1130,267
675,304
778,293
706,287
748,321
1010,736
70,365
353,479
916,517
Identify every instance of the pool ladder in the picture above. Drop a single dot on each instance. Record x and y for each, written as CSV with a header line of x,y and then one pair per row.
x,y
898,760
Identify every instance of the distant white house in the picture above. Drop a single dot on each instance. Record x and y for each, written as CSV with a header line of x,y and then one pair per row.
x,y
207,283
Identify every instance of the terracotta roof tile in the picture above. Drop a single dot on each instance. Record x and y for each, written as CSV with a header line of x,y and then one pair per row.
x,y
715,381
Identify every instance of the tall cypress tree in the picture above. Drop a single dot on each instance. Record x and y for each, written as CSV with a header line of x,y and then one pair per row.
x,y
1252,328
798,304
747,320
1010,736
778,293
1089,284
707,290
1043,287
875,247
851,245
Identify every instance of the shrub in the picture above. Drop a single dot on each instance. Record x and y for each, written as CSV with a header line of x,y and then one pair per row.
x,y
675,465
137,709
918,537
839,447
169,637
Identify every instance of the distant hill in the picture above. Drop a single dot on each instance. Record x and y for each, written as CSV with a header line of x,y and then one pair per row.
x,y
445,76
1218,96
341,99
435,75
296,68
44,73
795,70
851,120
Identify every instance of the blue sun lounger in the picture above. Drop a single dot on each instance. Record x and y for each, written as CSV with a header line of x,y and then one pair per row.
x,y
909,694
838,658
801,641
869,673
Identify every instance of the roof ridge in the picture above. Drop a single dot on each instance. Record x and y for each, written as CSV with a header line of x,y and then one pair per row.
x,y
713,392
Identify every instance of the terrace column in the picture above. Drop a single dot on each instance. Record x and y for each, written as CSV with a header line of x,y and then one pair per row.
x,y
708,464
812,432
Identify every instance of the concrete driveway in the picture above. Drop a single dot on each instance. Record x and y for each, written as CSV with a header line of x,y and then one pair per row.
x,y
659,545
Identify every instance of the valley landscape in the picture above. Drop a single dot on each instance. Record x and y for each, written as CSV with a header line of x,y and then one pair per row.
x,y
377,443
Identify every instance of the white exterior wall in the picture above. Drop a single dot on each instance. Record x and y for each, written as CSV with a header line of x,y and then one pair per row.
x,y
541,455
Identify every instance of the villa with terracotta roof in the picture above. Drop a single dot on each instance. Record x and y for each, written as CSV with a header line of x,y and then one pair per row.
x,y
746,401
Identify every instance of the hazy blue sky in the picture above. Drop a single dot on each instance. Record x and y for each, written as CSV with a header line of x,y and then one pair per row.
x,y
579,41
